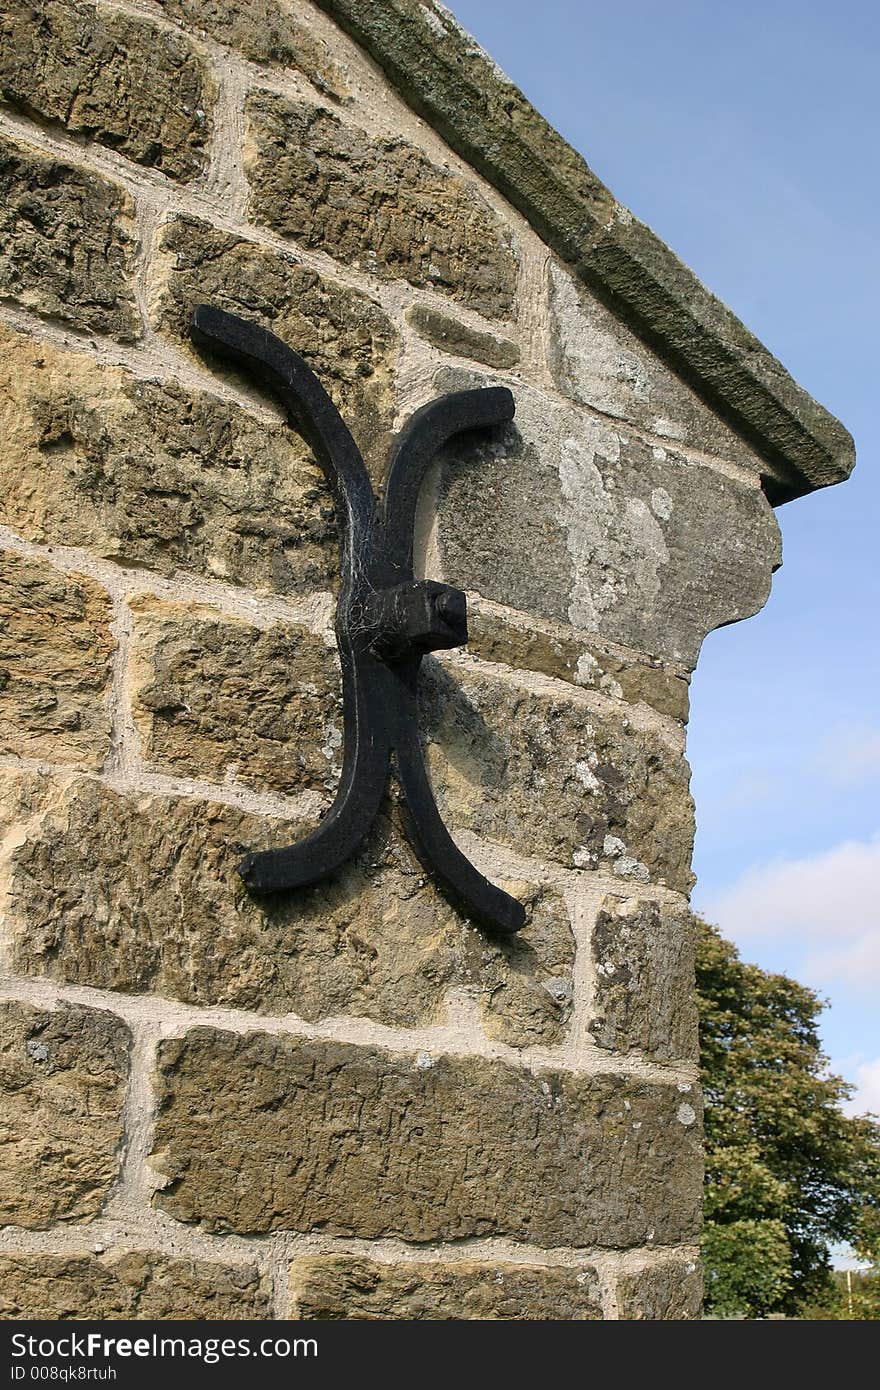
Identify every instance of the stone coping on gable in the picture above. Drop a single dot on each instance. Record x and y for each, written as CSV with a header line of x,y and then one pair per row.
x,y
445,76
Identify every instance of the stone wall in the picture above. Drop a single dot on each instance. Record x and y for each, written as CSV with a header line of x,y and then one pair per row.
x,y
346,1102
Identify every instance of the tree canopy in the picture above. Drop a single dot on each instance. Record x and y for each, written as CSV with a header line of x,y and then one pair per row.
x,y
788,1173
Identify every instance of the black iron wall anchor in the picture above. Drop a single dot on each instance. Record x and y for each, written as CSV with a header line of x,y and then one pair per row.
x,y
386,621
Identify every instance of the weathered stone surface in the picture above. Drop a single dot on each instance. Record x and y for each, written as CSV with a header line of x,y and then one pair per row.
x,y
643,997
153,475
598,362
127,1284
572,518
219,698
63,1076
342,1286
258,1133
555,774
447,77
140,893
67,242
554,650
671,1290
344,336
266,31
525,985
55,655
459,339
378,204
115,78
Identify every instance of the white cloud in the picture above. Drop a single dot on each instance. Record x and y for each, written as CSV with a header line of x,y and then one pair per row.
x,y
830,903
851,754
867,1092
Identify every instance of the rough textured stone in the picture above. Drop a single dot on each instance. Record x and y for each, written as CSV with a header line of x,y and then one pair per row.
x,y
63,1076
344,336
554,650
115,78
577,520
599,362
258,1133
448,79
153,475
218,698
66,242
804,446
343,1286
643,997
673,1290
127,1284
555,775
140,893
55,655
378,204
524,985
456,338
266,31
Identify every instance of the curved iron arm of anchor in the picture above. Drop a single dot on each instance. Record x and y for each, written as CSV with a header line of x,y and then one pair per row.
x,y
427,431
386,621
418,444
366,750
310,410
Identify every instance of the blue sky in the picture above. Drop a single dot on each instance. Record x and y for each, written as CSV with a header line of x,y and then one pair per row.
x,y
746,136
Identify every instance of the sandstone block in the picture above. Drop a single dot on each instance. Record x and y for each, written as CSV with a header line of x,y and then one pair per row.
x,y
55,654
598,362
216,698
344,336
672,1289
140,893
550,774
347,1287
578,520
63,1076
157,476
67,242
114,78
258,1133
525,985
555,650
265,31
124,1284
378,204
459,339
643,954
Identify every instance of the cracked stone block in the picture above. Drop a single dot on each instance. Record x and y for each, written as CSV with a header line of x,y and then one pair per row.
x,y
217,698
56,649
123,1284
643,997
670,1289
341,1286
117,79
378,204
257,1133
67,242
63,1075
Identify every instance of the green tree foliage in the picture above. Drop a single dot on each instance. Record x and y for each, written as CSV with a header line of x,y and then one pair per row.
x,y
853,1299
787,1172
